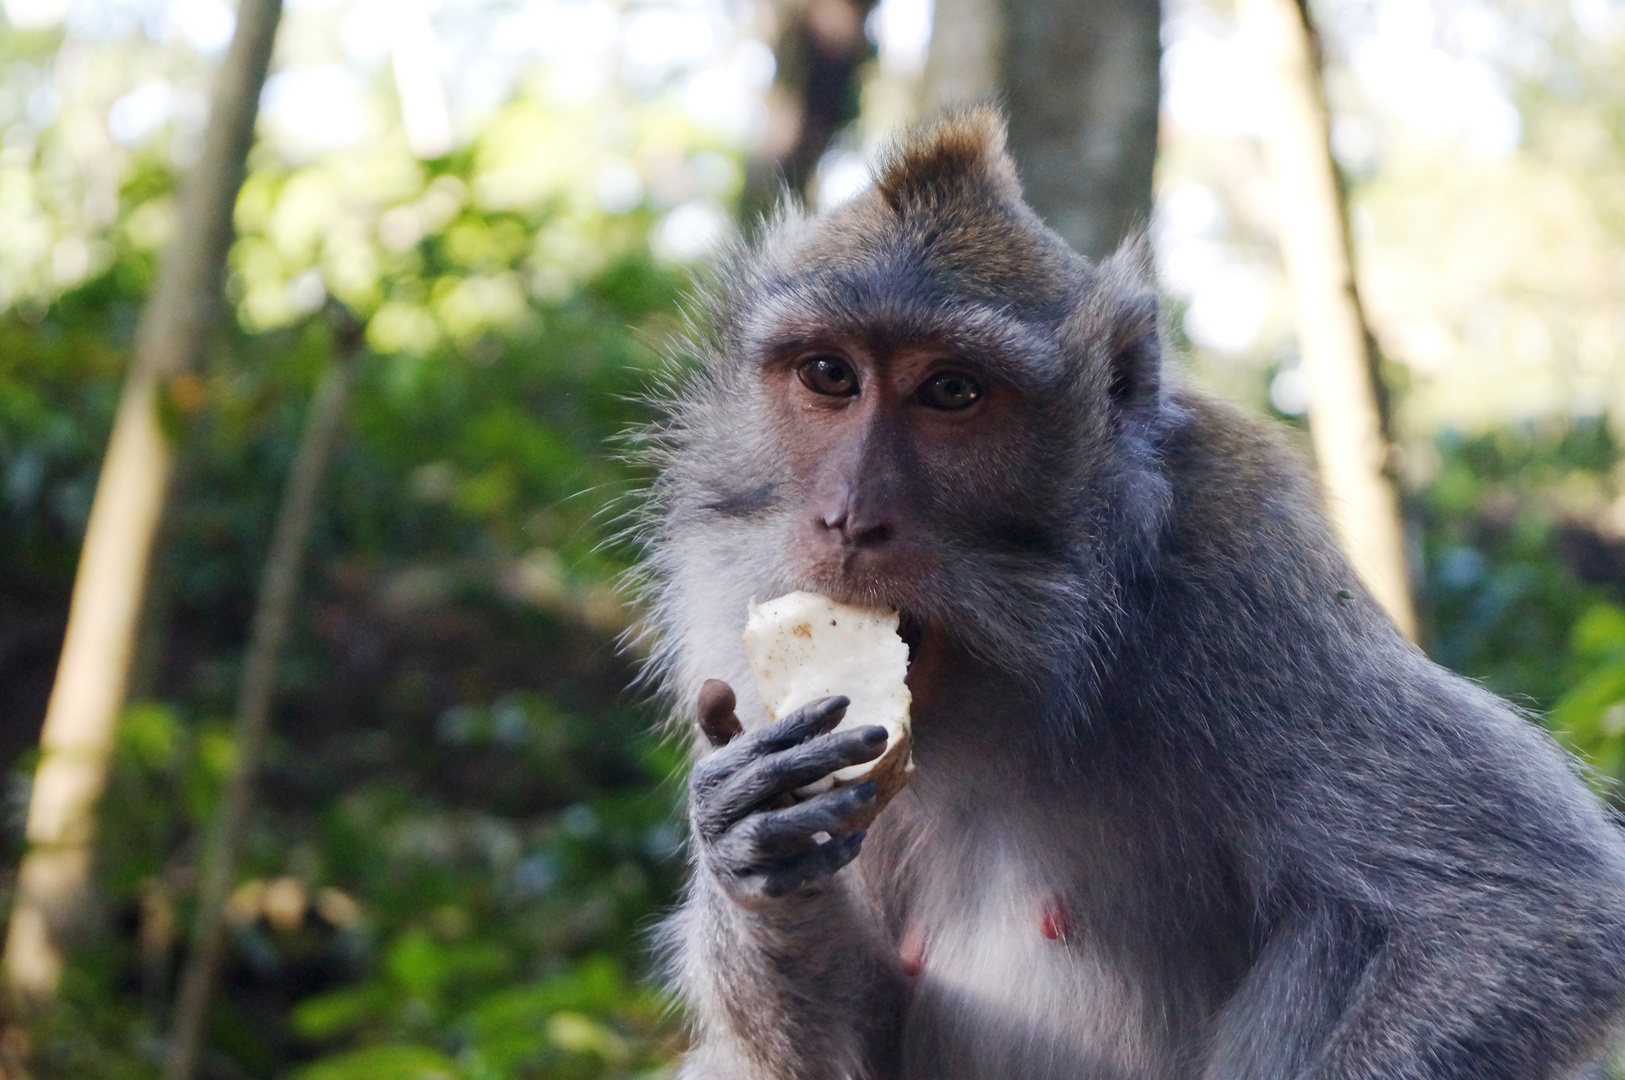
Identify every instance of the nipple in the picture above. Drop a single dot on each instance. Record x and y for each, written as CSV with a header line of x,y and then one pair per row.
x,y
912,950
1053,920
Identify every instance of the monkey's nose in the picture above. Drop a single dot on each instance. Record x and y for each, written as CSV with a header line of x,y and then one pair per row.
x,y
856,529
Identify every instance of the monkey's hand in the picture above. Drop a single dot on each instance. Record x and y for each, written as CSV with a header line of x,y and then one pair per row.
x,y
749,831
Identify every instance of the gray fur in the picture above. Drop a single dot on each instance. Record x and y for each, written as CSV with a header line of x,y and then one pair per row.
x,y
1287,844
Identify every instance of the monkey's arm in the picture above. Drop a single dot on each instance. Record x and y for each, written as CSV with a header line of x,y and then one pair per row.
x,y
779,964
1469,923
797,990
1337,997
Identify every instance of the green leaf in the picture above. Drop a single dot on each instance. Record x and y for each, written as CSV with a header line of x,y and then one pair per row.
x,y
337,1013
1586,718
383,1063
149,735
1599,632
418,964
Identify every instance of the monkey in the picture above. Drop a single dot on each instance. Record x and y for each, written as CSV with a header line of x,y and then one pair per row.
x,y
1186,804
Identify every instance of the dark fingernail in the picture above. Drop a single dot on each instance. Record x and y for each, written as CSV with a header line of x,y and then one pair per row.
x,y
865,791
854,839
830,704
874,735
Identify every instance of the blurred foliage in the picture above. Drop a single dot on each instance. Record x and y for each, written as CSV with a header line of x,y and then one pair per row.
x,y
1591,716
1516,542
1524,579
465,828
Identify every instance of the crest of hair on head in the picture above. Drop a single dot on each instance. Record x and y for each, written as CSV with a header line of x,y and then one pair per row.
x,y
962,148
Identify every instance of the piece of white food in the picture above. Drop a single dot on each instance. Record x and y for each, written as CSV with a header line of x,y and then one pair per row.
x,y
803,646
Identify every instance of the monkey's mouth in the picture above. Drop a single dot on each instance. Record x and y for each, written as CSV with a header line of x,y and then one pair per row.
x,y
839,587
910,629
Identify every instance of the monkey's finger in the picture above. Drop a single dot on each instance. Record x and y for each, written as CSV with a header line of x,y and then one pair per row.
x,y
773,834
813,718
766,778
751,771
820,862
716,708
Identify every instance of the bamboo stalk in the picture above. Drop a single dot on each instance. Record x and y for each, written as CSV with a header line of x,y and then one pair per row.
x,y
93,673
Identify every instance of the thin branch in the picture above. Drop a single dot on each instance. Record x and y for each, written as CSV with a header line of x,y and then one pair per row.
x,y
272,616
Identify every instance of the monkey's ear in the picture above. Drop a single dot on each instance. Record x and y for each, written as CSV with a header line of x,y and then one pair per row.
x,y
1119,322
961,152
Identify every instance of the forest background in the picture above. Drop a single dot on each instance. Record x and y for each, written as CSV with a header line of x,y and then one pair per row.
x,y
464,829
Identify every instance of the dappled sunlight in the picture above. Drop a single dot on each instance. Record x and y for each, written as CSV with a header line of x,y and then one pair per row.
x,y
1477,144
573,109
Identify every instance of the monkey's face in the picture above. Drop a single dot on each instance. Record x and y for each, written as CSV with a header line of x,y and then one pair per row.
x,y
923,401
900,463
874,443
880,435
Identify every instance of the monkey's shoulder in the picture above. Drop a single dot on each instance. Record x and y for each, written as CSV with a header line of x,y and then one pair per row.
x,y
1238,484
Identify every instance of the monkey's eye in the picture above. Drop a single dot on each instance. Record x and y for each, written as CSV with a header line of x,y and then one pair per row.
x,y
950,392
828,375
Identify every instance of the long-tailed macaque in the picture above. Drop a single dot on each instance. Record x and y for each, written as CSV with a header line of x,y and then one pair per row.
x,y
1186,805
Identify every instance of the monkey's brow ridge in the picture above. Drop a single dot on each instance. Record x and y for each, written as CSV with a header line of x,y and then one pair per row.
x,y
986,335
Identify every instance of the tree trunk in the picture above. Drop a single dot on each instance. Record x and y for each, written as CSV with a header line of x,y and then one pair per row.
x,y
272,614
1346,415
1081,82
93,672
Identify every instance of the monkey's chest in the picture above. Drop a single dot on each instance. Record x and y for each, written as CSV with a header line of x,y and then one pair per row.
x,y
1016,983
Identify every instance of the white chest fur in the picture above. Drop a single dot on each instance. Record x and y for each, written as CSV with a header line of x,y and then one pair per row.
x,y
1009,984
